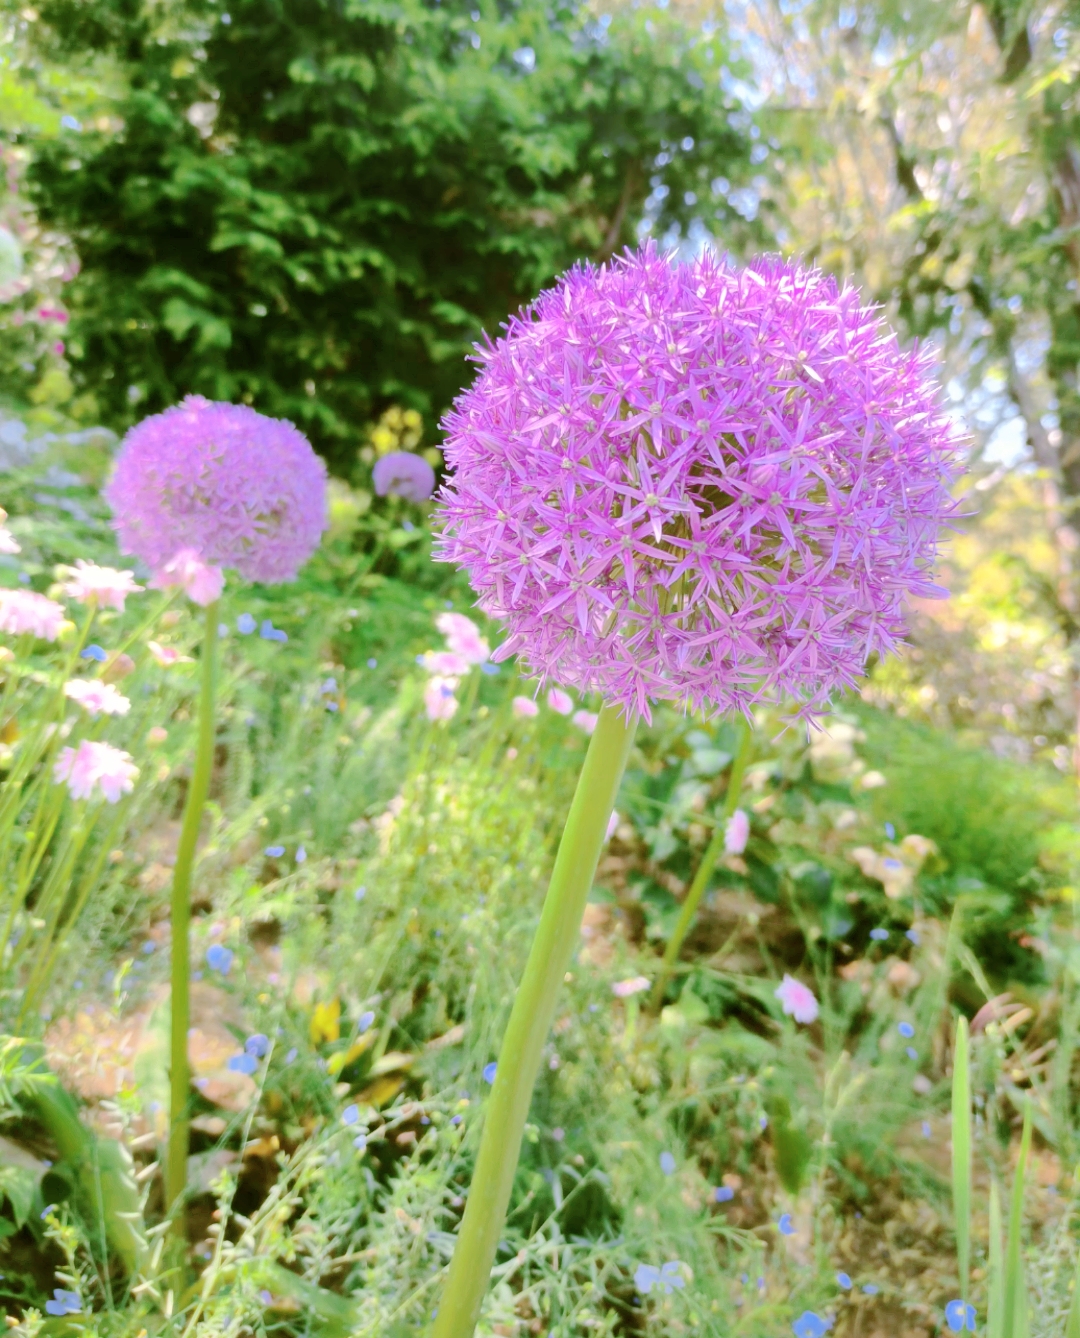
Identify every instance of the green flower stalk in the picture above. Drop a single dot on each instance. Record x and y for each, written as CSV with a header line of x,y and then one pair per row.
x,y
530,1021
180,978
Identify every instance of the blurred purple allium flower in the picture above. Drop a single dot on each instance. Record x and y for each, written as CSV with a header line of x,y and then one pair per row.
x,y
239,489
402,474
697,482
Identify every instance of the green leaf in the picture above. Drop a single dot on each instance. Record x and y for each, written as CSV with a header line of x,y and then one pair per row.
x,y
1015,1306
961,1153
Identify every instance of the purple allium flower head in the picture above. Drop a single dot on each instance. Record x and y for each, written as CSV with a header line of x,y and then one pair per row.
x,y
239,489
402,474
697,482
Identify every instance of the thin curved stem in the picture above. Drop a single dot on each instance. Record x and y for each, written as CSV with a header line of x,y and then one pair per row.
x,y
180,1008
530,1021
704,870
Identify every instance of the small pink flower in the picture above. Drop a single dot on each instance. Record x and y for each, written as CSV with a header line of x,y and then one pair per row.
x,y
585,720
23,611
96,697
463,637
612,824
446,662
797,999
107,586
559,701
96,765
625,989
439,700
167,656
156,734
524,707
201,582
736,833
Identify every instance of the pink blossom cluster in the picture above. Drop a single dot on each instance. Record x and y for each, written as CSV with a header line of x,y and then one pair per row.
x,y
105,587
95,766
97,697
562,704
235,488
465,648
698,482
201,582
23,612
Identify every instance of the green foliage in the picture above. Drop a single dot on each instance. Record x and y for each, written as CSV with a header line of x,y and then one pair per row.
x,y
316,207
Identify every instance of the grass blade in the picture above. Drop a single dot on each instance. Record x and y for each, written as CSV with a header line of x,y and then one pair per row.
x,y
961,1153
1015,1293
995,1310
1072,1328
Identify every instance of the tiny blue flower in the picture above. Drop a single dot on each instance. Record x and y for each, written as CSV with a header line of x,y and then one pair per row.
x,y
488,668
274,852
373,663
245,624
890,831
871,1288
905,1029
455,1119
49,1208
244,1063
223,629
269,632
489,1072
219,958
364,1021
64,1302
301,854
667,1163
926,1130
293,1052
959,1317
329,686
667,1278
843,1281
809,1325
785,1225
911,1052
149,946
893,865
360,1142
93,653
763,1121
350,1114
70,123
913,936
360,893
266,1297
257,1045
879,935
723,1193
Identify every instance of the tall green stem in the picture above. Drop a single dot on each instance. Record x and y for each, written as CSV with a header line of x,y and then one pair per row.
x,y
179,1076
704,869
530,1021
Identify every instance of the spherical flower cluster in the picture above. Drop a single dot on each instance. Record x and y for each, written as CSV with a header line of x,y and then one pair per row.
x,y
698,483
97,698
402,474
23,611
104,586
241,490
96,766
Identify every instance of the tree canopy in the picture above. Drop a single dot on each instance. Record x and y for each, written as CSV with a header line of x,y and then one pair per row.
x,y
314,206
